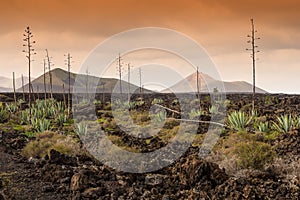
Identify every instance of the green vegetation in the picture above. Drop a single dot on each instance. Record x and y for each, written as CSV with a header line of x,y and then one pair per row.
x,y
246,140
195,114
81,129
4,115
238,120
253,154
157,101
45,114
61,119
11,107
263,127
284,124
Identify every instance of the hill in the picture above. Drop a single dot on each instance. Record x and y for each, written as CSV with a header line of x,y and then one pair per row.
x,y
60,78
6,84
207,83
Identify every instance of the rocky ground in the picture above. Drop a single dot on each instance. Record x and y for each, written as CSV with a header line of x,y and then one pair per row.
x,y
58,176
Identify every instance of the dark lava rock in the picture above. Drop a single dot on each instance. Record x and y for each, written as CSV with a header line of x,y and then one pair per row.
x,y
56,157
79,182
48,188
93,193
1,197
154,179
288,143
255,186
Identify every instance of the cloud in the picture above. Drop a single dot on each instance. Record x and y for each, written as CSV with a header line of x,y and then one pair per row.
x,y
77,26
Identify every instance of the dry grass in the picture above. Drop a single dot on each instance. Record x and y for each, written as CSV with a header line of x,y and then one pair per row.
x,y
51,140
239,151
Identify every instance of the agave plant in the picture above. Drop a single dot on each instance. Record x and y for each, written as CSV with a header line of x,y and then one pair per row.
x,y
157,101
11,107
60,108
140,103
284,124
44,125
159,117
3,115
297,122
97,102
214,109
39,104
175,102
61,119
194,114
238,120
50,112
81,129
25,116
263,127
37,113
35,123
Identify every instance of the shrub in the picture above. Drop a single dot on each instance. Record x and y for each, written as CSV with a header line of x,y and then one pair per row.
x,y
238,120
50,140
253,154
284,124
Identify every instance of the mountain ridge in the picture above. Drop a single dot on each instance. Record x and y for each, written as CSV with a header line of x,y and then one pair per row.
x,y
60,78
208,84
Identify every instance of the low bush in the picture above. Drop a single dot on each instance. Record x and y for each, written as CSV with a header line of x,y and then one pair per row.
x,y
48,140
253,154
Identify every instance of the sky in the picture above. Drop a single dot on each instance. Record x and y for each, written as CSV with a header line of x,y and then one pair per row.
x,y
219,26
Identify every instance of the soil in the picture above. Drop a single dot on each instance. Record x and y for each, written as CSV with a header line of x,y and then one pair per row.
x,y
58,176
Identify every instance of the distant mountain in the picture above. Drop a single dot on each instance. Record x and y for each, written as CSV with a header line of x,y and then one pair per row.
x,y
189,84
60,78
6,84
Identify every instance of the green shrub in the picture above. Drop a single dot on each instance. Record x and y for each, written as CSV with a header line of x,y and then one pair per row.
x,y
284,124
238,120
253,154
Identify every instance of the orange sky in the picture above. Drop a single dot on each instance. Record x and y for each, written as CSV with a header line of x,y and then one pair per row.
x,y
220,26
